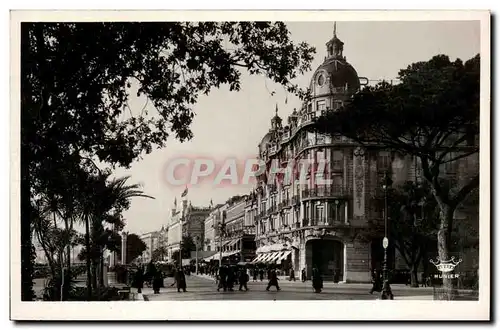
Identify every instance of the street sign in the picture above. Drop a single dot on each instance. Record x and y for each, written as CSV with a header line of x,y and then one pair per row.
x,y
385,242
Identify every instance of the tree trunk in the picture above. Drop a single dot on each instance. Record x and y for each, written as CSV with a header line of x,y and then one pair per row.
x,y
88,261
27,266
68,261
94,276
101,268
414,276
443,237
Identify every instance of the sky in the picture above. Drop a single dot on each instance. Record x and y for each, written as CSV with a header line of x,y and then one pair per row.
x,y
231,124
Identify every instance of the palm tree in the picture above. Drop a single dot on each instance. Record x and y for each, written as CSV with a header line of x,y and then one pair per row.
x,y
104,202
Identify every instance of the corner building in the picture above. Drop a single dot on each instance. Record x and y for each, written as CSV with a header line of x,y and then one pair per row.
x,y
337,227
332,226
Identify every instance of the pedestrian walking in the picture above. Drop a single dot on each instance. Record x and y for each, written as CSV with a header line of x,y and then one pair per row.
x,y
243,280
376,282
222,284
273,280
138,281
255,274
231,278
180,280
157,281
303,275
292,275
261,274
317,280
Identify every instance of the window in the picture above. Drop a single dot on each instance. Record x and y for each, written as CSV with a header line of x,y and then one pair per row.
x,y
321,80
320,105
384,160
337,184
338,160
319,213
337,104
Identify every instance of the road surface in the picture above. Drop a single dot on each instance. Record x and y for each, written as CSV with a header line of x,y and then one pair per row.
x,y
199,288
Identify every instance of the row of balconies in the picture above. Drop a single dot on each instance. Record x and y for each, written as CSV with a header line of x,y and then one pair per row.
x,y
305,223
327,191
305,119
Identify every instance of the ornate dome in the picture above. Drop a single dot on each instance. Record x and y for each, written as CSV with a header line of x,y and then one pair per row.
x,y
335,72
338,74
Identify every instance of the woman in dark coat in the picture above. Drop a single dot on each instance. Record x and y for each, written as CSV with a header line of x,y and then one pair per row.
x,y
231,278
180,280
303,275
292,275
273,280
222,284
261,274
376,282
317,281
157,281
243,280
139,279
255,274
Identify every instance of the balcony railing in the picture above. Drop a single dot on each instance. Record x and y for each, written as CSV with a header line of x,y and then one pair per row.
x,y
332,191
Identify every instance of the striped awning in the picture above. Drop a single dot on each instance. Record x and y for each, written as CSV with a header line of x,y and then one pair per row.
x,y
258,258
284,255
273,257
268,257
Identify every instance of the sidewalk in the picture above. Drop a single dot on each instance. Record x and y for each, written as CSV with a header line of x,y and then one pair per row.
x,y
327,284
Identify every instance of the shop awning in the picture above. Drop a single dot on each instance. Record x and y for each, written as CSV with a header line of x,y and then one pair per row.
x,y
233,242
257,258
230,253
268,257
214,257
273,257
284,255
264,256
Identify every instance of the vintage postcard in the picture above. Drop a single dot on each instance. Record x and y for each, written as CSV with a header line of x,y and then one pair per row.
x,y
286,165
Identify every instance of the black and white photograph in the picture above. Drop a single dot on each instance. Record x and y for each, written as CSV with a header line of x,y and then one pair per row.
x,y
319,165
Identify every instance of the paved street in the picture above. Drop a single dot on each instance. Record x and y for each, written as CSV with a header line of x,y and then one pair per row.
x,y
199,288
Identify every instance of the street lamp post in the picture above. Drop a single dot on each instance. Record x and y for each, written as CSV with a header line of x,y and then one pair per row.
x,y
196,243
386,288
220,243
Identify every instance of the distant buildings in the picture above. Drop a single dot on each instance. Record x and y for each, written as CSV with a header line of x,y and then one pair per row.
x,y
153,240
188,221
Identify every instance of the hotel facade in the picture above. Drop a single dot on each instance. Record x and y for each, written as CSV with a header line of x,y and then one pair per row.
x,y
337,227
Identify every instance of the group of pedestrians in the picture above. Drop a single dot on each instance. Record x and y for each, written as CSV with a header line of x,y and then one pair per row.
x,y
152,275
228,276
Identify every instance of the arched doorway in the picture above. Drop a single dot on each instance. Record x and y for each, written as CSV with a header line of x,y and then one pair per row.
x,y
328,256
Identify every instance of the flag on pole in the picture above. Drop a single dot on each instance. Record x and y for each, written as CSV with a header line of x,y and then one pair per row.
x,y
185,192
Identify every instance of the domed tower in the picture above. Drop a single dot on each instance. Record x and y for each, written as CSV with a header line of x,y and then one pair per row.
x,y
276,121
335,80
